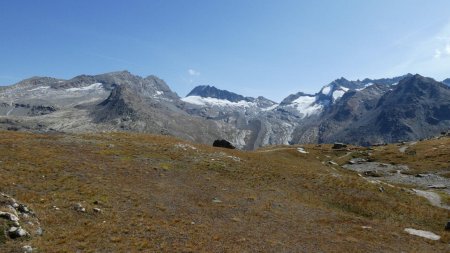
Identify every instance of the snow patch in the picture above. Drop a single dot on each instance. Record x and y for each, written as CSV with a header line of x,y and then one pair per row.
x,y
365,86
423,233
338,94
40,88
270,108
326,90
93,86
306,105
197,100
159,93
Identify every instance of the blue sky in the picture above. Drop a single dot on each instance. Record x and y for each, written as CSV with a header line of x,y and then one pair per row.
x,y
252,47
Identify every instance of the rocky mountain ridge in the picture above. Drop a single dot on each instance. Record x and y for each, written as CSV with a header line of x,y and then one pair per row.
x,y
360,112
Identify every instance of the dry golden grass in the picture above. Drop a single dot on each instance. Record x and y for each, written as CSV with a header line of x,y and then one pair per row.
x,y
425,156
158,197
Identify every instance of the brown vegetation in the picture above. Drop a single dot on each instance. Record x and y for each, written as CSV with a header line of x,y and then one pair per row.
x,y
159,196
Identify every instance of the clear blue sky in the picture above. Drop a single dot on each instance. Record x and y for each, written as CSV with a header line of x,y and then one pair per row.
x,y
253,47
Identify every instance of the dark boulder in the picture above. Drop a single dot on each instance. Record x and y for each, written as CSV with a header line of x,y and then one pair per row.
x,y
339,145
223,144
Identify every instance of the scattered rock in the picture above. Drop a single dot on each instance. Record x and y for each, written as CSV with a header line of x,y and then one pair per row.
x,y
357,161
17,232
9,216
437,186
235,158
223,144
216,200
23,208
185,146
422,233
39,231
372,173
302,150
332,163
79,208
432,197
235,219
339,145
97,210
27,249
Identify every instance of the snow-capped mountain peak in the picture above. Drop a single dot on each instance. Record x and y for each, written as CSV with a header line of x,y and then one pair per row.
x,y
206,95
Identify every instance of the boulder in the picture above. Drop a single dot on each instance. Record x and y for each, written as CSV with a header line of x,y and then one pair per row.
x,y
8,216
223,144
339,145
23,208
17,232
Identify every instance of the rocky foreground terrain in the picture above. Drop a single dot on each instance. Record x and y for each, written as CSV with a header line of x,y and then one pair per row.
x,y
128,192
367,112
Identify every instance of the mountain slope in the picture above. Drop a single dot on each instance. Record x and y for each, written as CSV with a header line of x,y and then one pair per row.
x,y
358,112
416,108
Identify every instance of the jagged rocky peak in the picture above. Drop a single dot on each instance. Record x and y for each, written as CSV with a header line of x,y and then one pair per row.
x,y
206,91
447,81
291,98
264,102
211,96
418,86
151,86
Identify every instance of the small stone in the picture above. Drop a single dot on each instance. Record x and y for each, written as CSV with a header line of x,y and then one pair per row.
x,y
192,223
437,186
381,189
235,219
23,208
17,232
79,208
39,231
97,210
27,249
332,163
216,200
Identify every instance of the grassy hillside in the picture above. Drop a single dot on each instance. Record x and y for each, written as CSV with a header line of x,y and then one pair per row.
x,y
160,194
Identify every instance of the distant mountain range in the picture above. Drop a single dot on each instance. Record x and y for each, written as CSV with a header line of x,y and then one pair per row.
x,y
363,112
